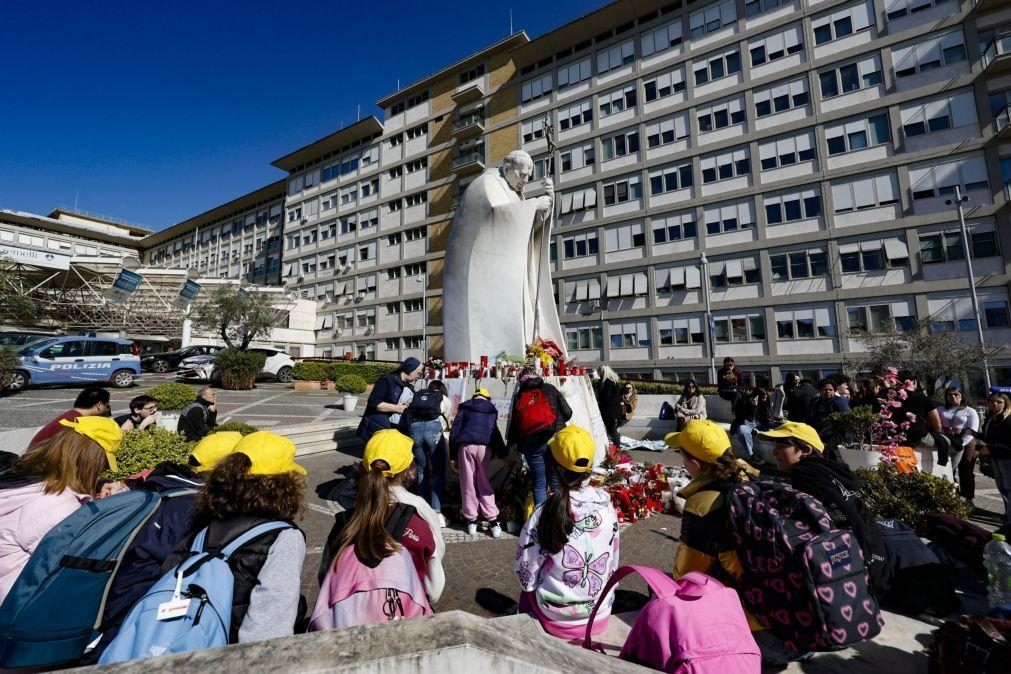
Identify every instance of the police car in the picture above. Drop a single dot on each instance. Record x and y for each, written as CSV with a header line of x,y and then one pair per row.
x,y
77,360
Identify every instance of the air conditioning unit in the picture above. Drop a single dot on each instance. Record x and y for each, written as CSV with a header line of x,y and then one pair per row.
x,y
305,220
370,330
359,297
595,305
339,332
346,269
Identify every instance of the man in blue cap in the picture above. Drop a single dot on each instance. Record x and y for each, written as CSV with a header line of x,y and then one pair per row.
x,y
389,398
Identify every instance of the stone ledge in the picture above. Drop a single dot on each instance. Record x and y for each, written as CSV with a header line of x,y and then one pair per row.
x,y
453,643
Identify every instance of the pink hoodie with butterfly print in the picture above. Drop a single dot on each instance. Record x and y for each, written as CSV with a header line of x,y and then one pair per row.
x,y
562,588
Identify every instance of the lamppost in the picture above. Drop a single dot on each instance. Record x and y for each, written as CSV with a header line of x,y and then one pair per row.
x,y
710,337
958,201
420,278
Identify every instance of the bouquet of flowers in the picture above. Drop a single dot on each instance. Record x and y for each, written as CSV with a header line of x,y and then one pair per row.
x,y
888,432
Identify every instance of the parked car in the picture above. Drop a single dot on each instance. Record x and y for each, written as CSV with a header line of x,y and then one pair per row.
x,y
14,339
277,366
77,360
163,362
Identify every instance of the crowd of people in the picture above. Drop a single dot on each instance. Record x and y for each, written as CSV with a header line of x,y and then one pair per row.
x,y
383,559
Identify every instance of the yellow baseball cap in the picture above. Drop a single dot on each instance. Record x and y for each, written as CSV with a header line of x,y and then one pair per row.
x,y
702,438
215,447
102,430
483,392
270,454
795,429
391,446
573,448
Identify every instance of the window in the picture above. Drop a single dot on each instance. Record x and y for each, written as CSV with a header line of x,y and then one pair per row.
x,y
413,342
929,53
369,187
851,77
673,227
616,101
805,323
628,335
739,328
857,134
295,214
615,56
676,331
841,23
756,7
734,272
397,140
578,200
568,118
781,98
670,178
583,290
416,269
574,73
717,67
534,89
396,172
665,85
393,273
367,252
625,237
656,40
938,115
712,18
532,129
417,131
880,318
471,75
412,305
349,224
730,216
938,180
792,206
580,245
584,338
678,279
777,46
666,131
416,165
622,191
349,194
726,165
867,191
896,9
873,255
415,234
618,145
995,313
393,239
581,156
947,246
416,199
950,313
369,218
799,264
392,343
721,115
782,152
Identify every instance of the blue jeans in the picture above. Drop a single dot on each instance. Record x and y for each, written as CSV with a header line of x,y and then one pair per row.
x,y
542,471
430,467
744,432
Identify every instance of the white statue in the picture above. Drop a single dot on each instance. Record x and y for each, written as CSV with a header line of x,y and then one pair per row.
x,y
497,292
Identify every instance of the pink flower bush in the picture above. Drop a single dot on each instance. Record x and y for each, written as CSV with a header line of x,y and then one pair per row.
x,y
889,431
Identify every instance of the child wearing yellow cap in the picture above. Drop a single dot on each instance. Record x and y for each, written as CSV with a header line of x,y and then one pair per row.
x,y
705,546
49,483
475,432
568,549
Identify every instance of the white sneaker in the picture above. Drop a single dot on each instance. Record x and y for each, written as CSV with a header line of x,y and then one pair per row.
x,y
496,530
442,520
472,528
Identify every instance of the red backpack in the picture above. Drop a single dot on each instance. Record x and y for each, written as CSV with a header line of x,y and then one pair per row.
x,y
533,412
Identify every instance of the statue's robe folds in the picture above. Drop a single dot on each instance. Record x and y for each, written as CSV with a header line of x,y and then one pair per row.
x,y
494,255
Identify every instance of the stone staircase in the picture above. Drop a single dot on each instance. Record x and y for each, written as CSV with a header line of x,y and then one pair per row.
x,y
336,435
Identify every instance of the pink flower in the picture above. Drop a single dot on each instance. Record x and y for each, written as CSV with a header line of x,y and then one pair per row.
x,y
903,394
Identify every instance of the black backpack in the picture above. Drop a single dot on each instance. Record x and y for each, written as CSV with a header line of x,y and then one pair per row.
x,y
426,406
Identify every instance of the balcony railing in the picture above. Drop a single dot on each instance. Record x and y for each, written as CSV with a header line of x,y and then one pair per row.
x,y
998,47
468,127
1002,122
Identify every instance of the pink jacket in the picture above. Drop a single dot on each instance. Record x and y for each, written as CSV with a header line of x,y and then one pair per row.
x,y
26,515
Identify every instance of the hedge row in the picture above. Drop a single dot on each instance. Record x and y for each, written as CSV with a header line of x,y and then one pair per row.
x,y
320,371
659,388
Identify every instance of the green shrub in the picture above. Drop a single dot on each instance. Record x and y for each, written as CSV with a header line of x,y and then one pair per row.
x,y
8,359
237,369
310,371
146,449
661,388
172,397
237,426
351,383
909,496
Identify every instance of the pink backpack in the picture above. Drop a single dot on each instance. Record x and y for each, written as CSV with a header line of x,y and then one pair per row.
x,y
693,625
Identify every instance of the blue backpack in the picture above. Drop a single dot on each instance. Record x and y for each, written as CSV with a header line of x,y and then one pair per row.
x,y
52,612
205,581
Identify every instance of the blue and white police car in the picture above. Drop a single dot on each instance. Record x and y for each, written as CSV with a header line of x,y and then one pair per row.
x,y
77,360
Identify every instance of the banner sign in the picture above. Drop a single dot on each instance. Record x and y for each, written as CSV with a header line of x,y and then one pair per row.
x,y
37,258
124,286
188,293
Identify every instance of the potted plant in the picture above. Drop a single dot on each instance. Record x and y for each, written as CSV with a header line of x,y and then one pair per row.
x,y
172,399
859,424
308,375
237,369
351,385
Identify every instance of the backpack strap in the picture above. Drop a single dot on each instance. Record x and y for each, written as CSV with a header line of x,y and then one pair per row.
x,y
255,532
399,519
660,584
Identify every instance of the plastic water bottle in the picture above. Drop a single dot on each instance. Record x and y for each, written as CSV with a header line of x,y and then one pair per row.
x,y
997,560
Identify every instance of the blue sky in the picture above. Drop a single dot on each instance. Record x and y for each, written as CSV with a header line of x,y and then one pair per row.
x,y
156,111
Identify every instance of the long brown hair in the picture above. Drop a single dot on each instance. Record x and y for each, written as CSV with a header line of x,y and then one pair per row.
x,y
556,525
231,491
366,529
67,460
1002,415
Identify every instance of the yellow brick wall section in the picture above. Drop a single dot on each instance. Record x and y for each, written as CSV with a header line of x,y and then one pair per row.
x,y
437,346
499,143
436,269
438,235
440,164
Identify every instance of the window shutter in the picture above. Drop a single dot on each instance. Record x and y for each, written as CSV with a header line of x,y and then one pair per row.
x,y
693,278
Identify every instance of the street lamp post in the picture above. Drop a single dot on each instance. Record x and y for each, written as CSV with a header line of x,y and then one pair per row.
x,y
424,315
710,337
958,201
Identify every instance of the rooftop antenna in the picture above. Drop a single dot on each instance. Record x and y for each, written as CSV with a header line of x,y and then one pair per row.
x,y
76,195
358,114
398,84
510,20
